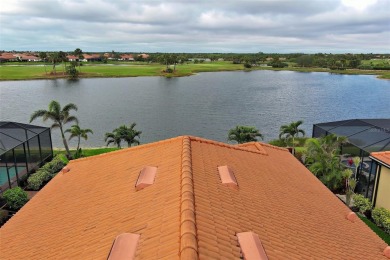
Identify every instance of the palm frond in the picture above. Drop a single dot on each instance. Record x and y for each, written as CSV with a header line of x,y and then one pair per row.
x,y
69,107
71,119
36,114
55,107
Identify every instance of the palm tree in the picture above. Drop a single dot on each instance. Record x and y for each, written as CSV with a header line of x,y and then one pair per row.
x,y
62,58
79,54
43,56
54,59
123,133
291,131
76,131
113,138
130,135
59,117
243,134
322,159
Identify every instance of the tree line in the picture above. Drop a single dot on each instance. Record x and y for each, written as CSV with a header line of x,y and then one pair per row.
x,y
277,60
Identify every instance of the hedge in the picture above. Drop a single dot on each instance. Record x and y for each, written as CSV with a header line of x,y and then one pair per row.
x,y
15,198
381,218
45,173
362,203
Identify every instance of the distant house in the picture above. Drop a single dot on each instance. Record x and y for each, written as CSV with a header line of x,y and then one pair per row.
x,y
381,197
72,58
188,198
126,57
6,56
27,57
32,58
91,57
144,56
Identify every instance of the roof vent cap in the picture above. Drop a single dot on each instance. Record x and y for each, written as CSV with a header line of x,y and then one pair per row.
x,y
251,246
386,252
65,169
124,247
351,216
146,177
227,176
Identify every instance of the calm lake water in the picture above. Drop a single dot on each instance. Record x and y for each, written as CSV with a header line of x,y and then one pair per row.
x,y
205,105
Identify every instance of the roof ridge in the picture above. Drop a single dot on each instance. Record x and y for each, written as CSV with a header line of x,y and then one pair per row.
x,y
231,146
274,147
381,152
142,146
188,234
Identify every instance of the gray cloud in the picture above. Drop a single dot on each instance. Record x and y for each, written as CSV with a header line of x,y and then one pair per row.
x,y
195,26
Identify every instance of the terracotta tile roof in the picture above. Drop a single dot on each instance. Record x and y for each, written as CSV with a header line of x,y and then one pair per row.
x,y
127,56
382,156
187,213
8,56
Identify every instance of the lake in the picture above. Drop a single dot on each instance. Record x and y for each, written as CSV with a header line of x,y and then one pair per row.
x,y
205,105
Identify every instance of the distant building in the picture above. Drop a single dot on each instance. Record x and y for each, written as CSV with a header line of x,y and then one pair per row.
x,y
18,57
6,56
91,57
144,56
72,58
127,57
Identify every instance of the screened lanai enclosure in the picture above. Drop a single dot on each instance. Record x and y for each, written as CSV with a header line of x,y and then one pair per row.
x,y
23,148
364,137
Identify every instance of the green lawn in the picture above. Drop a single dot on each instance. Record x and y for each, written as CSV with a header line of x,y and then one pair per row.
x,y
125,69
385,237
88,152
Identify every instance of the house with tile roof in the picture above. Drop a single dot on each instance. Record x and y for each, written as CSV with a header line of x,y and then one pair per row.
x,y
127,57
381,196
7,56
188,198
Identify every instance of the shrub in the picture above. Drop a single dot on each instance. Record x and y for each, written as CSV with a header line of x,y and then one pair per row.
x,y
34,182
247,65
3,216
278,142
45,173
15,198
56,165
363,204
381,218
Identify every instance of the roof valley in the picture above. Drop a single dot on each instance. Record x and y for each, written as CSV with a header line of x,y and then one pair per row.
x,y
188,235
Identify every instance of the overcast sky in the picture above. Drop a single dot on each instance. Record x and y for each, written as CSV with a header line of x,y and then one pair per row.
x,y
283,26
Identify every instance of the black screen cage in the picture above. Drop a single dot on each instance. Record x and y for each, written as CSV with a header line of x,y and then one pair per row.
x,y
23,148
364,137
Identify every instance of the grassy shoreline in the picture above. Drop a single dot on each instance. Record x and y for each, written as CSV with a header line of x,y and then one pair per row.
x,y
31,72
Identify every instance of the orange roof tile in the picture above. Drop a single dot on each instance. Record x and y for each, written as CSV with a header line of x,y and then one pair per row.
x,y
187,213
384,157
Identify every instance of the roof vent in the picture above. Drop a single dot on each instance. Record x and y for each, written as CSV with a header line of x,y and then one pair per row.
x,y
124,247
65,169
251,246
386,252
146,177
351,216
227,176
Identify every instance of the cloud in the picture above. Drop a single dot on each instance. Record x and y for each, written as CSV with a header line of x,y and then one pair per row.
x,y
196,26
